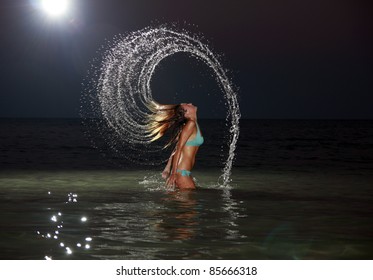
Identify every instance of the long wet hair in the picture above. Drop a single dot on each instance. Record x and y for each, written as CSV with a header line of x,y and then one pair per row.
x,y
164,118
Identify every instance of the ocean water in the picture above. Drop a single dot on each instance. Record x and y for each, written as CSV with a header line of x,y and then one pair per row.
x,y
300,189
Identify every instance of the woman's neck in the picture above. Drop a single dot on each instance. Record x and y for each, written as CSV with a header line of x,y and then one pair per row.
x,y
193,117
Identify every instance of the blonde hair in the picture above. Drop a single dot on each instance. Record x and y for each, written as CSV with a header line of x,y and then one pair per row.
x,y
163,118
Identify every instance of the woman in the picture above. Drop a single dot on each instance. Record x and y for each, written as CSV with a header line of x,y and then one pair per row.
x,y
181,120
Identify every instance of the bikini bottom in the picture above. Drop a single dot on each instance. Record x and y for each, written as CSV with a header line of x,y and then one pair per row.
x,y
184,172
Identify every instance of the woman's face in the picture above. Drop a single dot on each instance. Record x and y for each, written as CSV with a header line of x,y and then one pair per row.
x,y
190,109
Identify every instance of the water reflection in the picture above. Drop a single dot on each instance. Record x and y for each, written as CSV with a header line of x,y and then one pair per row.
x,y
143,224
181,222
72,197
65,237
153,225
233,209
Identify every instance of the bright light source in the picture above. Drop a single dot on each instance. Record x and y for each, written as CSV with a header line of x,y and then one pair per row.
x,y
55,7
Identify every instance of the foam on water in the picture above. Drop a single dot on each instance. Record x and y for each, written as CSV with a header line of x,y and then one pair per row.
x,y
118,89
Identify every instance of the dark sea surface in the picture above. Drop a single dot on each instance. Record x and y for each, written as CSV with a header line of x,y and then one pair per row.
x,y
301,189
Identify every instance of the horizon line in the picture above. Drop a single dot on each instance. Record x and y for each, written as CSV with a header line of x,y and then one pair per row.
x,y
287,118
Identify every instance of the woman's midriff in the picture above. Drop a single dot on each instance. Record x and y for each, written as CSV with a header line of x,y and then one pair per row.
x,y
186,162
187,158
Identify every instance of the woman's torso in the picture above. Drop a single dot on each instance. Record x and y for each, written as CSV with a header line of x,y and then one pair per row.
x,y
188,153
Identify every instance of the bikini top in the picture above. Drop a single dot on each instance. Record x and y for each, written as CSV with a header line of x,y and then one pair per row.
x,y
197,141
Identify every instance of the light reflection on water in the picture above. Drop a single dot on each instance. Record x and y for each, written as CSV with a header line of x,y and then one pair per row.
x,y
64,243
143,224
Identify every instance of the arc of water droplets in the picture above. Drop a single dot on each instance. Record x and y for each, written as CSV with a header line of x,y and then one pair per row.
x,y
123,85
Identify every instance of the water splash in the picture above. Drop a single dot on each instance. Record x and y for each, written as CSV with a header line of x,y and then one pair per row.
x,y
117,91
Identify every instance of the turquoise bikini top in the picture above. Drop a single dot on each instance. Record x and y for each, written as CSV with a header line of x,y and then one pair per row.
x,y
197,141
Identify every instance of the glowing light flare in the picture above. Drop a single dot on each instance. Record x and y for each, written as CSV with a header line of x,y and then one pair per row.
x,y
68,251
55,7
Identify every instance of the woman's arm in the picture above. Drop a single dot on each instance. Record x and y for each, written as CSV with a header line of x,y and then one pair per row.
x,y
167,169
185,134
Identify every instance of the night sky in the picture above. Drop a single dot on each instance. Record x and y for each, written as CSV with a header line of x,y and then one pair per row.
x,y
289,59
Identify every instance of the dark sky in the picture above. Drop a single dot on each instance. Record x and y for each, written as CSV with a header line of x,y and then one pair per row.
x,y
290,58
